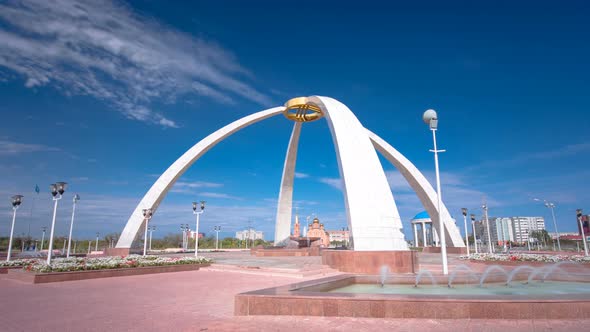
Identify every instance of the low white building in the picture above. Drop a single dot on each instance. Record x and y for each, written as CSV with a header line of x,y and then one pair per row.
x,y
250,234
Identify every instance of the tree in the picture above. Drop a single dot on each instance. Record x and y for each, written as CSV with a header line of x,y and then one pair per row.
x,y
541,236
111,238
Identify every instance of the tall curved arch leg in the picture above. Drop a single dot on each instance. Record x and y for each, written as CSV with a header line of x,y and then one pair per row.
x,y
160,188
372,214
283,221
421,186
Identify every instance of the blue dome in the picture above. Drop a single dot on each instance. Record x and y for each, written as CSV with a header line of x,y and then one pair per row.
x,y
421,215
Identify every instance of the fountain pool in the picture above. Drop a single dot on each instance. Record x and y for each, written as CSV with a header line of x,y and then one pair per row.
x,y
549,288
522,293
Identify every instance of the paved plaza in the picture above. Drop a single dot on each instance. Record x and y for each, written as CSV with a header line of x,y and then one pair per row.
x,y
204,301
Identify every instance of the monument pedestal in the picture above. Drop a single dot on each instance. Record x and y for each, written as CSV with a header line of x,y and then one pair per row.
x,y
450,250
118,252
370,262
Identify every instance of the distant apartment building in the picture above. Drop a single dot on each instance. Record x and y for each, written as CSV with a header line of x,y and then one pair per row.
x,y
514,229
250,234
523,226
338,236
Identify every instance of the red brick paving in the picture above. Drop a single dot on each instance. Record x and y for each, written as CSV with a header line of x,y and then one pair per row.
x,y
196,301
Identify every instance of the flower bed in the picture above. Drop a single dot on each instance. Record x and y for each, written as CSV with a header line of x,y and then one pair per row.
x,y
17,262
71,269
107,263
14,264
521,257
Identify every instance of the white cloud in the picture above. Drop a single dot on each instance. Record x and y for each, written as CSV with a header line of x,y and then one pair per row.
x,y
183,187
333,182
218,195
11,148
457,192
103,49
568,150
197,184
299,175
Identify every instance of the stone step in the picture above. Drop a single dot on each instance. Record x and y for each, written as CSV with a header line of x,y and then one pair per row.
x,y
308,271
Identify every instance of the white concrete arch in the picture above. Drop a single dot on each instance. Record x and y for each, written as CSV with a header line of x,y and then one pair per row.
x,y
372,214
160,188
285,204
338,113
421,186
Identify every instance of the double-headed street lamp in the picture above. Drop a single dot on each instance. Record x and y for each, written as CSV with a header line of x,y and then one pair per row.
x,y
197,213
217,229
431,119
551,206
44,228
184,228
474,235
57,190
74,200
147,215
151,229
579,216
464,212
16,202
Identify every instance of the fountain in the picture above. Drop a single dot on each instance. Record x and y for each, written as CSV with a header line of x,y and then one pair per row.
x,y
458,269
517,270
560,290
426,273
487,272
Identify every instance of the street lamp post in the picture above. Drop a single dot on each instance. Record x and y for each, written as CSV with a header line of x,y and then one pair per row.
x,y
182,232
152,229
217,229
551,206
485,210
16,202
464,211
44,228
57,190
503,234
187,232
147,215
431,119
529,240
96,244
74,200
474,235
198,214
579,215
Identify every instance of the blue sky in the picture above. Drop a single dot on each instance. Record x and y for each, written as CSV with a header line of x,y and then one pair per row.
x,y
106,97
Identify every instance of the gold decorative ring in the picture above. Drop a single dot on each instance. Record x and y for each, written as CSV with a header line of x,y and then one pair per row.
x,y
300,109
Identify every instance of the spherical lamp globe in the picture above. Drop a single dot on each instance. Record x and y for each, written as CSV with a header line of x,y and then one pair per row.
x,y
429,115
